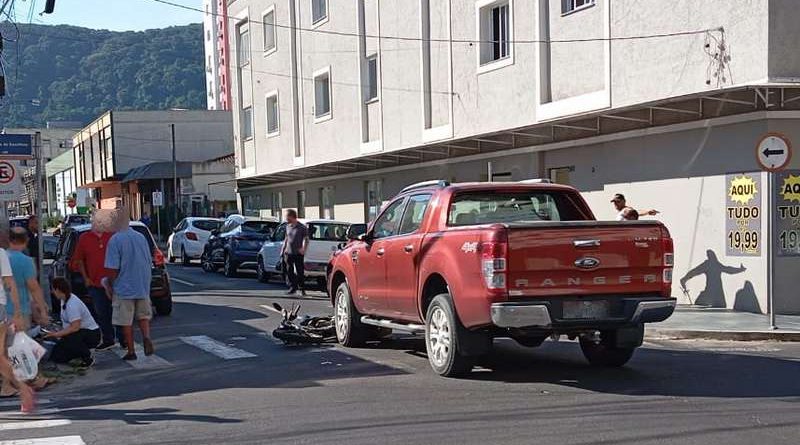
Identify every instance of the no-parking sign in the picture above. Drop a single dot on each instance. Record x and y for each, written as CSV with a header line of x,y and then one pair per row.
x,y
10,181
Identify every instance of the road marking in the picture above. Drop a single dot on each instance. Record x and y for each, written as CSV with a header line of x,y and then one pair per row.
x,y
178,280
33,424
16,402
219,349
63,440
143,361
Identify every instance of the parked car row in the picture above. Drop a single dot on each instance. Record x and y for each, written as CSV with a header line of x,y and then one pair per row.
x,y
249,243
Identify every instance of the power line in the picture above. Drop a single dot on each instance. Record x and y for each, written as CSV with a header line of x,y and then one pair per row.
x,y
434,40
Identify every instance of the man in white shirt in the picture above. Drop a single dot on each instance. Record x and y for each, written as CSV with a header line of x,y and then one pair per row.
x,y
627,213
6,371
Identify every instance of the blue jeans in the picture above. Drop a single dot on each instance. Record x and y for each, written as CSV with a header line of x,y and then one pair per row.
x,y
102,307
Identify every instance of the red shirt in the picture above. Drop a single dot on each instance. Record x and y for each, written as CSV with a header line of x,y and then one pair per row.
x,y
91,249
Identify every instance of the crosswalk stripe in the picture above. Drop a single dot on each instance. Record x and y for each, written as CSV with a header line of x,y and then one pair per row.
x,y
143,361
15,403
219,349
33,424
63,440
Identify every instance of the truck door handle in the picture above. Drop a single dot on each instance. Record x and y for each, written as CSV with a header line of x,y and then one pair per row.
x,y
380,252
409,248
583,243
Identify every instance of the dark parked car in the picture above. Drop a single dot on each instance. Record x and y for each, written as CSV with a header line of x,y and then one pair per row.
x,y
236,244
160,293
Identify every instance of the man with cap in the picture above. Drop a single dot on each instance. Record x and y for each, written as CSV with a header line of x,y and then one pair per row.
x,y
627,213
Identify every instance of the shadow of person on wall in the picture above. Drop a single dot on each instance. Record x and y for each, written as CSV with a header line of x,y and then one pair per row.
x,y
713,295
746,300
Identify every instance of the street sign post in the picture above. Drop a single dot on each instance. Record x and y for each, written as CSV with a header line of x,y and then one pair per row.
x,y
16,146
158,202
773,153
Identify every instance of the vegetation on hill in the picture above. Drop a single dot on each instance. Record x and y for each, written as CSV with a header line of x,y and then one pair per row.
x,y
70,73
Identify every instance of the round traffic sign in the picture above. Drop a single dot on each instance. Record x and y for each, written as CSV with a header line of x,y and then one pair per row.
x,y
7,172
774,152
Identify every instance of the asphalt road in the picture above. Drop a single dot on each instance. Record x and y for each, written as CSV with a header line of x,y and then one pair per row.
x,y
251,390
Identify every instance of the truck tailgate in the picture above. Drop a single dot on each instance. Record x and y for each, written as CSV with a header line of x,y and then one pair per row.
x,y
585,258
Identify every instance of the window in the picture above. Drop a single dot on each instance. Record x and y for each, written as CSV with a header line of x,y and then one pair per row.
x,y
319,11
206,224
561,175
269,31
495,32
415,211
326,202
247,123
327,231
373,198
301,203
504,207
272,114
244,44
322,94
389,222
372,78
568,6
277,204
280,233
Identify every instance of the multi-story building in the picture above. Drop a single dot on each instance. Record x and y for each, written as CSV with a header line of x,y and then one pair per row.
x,y
338,105
120,142
216,51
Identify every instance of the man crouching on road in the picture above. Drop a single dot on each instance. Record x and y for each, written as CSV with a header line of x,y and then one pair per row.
x,y
129,260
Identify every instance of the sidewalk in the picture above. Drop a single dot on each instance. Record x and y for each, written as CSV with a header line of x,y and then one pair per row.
x,y
723,324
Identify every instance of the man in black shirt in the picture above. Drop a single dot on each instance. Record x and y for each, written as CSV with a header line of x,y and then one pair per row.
x,y
294,250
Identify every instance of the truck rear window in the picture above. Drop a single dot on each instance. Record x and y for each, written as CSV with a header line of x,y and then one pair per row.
x,y
486,207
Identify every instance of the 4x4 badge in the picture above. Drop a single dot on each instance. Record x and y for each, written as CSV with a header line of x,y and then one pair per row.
x,y
587,262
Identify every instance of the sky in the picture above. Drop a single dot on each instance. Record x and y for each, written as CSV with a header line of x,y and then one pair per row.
x,y
116,15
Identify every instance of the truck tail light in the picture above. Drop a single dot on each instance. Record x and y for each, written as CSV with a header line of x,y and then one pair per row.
x,y
493,265
158,257
668,249
191,236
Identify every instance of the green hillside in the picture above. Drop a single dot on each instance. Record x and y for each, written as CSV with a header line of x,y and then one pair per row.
x,y
71,73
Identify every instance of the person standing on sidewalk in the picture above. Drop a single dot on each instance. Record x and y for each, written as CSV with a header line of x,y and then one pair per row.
x,y
6,371
31,298
89,259
130,260
294,250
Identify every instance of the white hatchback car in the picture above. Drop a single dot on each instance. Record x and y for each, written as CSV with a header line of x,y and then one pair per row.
x,y
324,238
189,238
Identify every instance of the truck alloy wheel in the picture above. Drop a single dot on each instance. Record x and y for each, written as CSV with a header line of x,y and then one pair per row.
x,y
349,329
443,331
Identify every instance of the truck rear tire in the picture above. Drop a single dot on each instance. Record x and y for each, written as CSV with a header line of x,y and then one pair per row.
x,y
350,331
601,354
443,332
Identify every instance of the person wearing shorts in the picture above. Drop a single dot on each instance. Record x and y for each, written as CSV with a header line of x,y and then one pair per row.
x,y
6,371
129,262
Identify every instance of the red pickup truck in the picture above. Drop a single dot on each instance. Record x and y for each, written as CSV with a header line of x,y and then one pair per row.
x,y
465,263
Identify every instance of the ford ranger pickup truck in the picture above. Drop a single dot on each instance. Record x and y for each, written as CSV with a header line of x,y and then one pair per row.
x,y
465,263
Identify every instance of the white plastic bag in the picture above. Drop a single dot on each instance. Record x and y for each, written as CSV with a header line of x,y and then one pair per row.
x,y
25,354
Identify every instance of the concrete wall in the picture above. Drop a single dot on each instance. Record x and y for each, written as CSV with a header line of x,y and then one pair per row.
x,y
142,137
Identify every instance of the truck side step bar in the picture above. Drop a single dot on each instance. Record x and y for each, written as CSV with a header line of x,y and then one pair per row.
x,y
383,323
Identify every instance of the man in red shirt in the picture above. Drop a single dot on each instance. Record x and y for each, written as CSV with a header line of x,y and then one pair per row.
x,y
89,259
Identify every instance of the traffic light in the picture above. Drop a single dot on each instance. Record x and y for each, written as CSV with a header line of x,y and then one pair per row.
x,y
49,6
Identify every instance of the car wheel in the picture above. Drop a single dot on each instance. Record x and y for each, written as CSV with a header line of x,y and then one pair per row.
x,y
185,260
263,275
163,306
229,268
442,331
206,264
349,330
600,354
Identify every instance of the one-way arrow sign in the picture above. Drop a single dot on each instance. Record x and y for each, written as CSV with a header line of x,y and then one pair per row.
x,y
774,152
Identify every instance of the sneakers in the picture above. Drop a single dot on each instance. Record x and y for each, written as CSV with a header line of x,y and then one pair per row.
x,y
105,346
292,291
149,349
130,356
87,363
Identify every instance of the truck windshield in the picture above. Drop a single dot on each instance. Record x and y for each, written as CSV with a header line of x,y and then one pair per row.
x,y
487,207
327,231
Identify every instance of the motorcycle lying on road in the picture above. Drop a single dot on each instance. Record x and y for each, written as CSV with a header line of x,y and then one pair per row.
x,y
304,329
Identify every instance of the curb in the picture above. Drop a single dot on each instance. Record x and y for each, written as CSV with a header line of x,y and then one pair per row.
x,y
688,334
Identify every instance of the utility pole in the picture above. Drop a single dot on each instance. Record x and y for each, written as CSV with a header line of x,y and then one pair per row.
x,y
37,146
174,175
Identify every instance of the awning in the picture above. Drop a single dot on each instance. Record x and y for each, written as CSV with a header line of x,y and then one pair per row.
x,y
60,163
158,170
